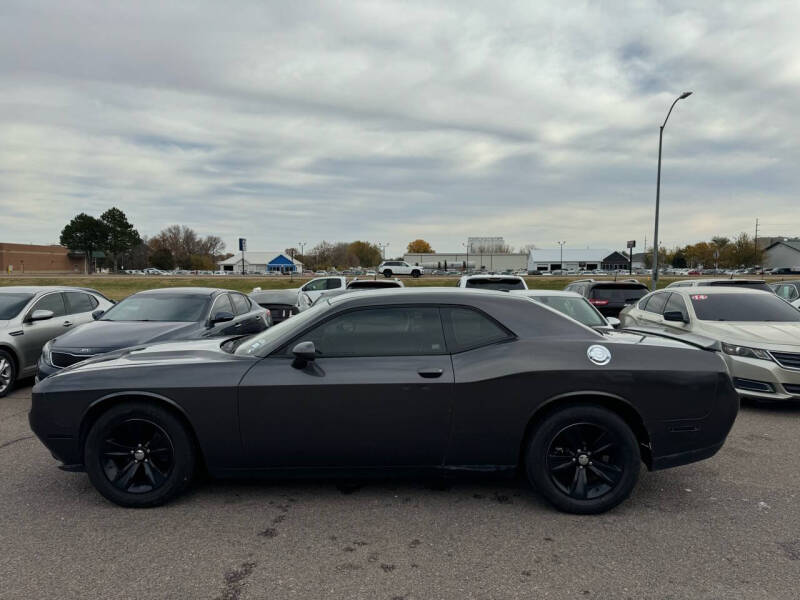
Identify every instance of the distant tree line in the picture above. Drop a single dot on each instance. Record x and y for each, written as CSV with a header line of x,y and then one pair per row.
x,y
719,252
176,246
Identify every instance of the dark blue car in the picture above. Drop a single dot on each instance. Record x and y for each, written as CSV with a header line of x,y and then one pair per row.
x,y
155,316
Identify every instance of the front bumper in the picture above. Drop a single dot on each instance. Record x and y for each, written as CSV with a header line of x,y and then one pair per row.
x,y
763,379
44,370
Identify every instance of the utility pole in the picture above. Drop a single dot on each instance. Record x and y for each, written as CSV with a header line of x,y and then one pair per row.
x,y
383,249
466,263
302,253
561,256
755,244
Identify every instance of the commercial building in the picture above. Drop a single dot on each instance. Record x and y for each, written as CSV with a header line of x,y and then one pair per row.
x,y
32,258
574,259
784,253
261,262
479,261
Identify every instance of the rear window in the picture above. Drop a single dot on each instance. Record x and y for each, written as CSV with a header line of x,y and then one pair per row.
x,y
751,285
743,307
503,284
619,294
372,284
577,308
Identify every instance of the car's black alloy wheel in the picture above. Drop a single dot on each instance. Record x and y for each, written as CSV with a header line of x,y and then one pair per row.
x,y
7,373
139,455
583,459
387,273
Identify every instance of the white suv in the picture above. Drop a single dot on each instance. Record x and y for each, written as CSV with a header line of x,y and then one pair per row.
x,y
389,268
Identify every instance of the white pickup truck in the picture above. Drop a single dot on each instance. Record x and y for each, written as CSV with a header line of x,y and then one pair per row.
x,y
390,268
316,287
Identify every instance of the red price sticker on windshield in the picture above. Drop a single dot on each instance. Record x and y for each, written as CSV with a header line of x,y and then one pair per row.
x,y
699,297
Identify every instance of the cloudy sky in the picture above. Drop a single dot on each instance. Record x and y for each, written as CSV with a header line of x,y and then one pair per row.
x,y
289,122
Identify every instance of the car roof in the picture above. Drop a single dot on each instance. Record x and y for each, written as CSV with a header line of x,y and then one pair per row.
x,y
36,289
491,276
713,289
422,294
541,293
185,291
704,281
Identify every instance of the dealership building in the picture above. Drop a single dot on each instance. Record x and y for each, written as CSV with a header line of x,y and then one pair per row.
x,y
477,261
577,259
261,262
32,258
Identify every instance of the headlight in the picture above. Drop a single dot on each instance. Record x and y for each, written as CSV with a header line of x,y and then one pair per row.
x,y
745,351
46,353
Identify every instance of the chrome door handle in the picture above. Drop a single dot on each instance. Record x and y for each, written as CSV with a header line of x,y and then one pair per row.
x,y
430,373
67,323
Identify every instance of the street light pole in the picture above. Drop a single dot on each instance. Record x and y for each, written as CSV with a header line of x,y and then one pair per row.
x,y
466,263
658,189
303,254
561,256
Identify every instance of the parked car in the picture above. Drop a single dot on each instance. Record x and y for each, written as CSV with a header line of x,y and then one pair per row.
x,y
502,283
390,268
759,332
33,315
317,286
395,379
753,284
154,316
281,304
573,305
788,290
786,271
361,285
609,297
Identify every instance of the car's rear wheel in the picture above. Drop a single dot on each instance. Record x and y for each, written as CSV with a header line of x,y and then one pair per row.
x,y
583,459
387,273
8,373
415,273
139,455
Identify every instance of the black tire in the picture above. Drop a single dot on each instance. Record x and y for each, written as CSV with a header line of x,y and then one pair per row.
x,y
415,273
8,373
564,463
119,462
387,272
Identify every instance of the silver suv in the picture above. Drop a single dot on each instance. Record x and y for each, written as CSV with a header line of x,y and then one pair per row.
x,y
31,316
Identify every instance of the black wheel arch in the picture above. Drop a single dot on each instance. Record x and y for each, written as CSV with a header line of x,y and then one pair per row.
x,y
616,404
101,405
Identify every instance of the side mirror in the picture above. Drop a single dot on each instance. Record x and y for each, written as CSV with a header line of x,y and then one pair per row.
x,y
41,315
221,317
676,316
304,352
98,313
613,321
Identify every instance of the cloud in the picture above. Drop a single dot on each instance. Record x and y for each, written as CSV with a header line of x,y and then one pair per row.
x,y
289,122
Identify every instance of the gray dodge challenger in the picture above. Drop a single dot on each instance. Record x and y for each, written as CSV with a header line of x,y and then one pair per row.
x,y
417,381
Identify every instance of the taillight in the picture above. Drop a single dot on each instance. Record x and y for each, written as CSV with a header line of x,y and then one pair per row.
x,y
598,302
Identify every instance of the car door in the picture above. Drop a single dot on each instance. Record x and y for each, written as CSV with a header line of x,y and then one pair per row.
x,y
378,394
36,334
676,303
251,321
80,306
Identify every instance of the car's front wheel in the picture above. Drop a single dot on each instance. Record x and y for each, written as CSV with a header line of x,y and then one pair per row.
x,y
139,455
8,373
415,273
583,459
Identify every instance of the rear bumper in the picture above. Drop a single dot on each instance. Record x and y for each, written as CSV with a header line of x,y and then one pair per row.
x,y
683,441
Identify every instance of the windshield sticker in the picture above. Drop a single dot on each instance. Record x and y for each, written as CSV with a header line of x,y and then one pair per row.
x,y
699,297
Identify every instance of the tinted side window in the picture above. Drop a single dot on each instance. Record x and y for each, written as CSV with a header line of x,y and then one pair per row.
x,y
333,283
643,302
240,303
676,304
466,328
54,302
384,331
222,304
656,303
79,303
316,286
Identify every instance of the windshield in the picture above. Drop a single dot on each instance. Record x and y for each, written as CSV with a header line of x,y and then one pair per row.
x,y
743,307
619,293
577,308
504,285
159,307
254,344
11,304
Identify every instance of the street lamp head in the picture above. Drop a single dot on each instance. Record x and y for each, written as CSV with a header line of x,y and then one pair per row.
x,y
685,95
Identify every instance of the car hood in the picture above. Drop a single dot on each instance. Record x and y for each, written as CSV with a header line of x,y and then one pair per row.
x,y
101,336
779,336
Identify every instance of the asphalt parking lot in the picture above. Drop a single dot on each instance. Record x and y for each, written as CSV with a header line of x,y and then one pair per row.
x,y
726,528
